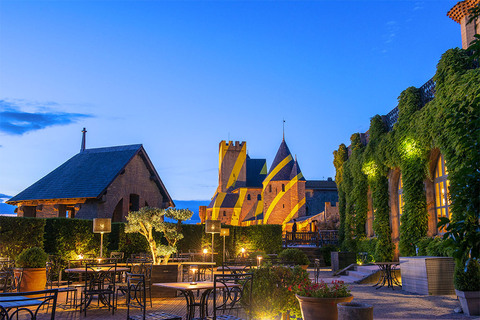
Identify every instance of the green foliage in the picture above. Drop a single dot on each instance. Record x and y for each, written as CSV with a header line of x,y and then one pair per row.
x,y
18,233
467,279
34,257
339,158
148,219
449,123
295,255
370,246
69,238
338,289
271,294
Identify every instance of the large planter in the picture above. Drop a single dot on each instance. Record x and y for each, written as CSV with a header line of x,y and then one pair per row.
x,y
164,273
320,308
428,275
470,302
341,260
32,279
354,311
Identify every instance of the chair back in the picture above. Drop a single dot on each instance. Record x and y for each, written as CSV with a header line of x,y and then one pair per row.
x,y
232,292
26,305
117,255
136,293
100,276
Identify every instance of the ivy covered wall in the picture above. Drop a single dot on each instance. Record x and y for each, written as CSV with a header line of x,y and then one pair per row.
x,y
450,124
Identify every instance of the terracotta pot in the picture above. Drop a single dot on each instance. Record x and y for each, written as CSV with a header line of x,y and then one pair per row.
x,y
33,279
304,266
320,308
470,302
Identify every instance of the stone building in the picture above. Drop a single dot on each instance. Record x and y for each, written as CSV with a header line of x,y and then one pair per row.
x,y
96,183
459,13
249,194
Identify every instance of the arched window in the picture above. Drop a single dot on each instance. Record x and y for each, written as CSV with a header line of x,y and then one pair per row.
x,y
248,197
283,187
270,188
441,185
401,202
259,197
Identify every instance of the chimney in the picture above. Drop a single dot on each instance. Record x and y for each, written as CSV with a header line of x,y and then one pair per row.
x,y
82,148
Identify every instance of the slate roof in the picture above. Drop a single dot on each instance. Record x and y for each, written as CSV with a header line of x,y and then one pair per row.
x,y
255,176
228,202
86,175
328,185
295,171
282,153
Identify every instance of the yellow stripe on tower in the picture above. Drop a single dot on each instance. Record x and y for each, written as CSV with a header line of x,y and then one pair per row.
x,y
293,212
237,167
279,196
238,207
221,154
277,169
217,205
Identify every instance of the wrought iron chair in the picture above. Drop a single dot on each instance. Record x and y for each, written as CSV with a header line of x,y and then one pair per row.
x,y
136,298
138,268
54,282
228,299
100,282
26,305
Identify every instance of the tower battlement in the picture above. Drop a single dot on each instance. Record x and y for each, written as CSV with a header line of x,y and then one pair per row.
x,y
232,146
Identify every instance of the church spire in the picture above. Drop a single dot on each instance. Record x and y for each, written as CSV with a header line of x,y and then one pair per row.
x,y
283,130
84,133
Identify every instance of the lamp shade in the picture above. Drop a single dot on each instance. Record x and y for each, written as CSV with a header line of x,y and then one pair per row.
x,y
102,225
212,226
225,232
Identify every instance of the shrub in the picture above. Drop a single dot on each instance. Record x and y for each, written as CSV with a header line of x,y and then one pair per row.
x,y
326,251
32,258
469,279
271,294
295,255
12,242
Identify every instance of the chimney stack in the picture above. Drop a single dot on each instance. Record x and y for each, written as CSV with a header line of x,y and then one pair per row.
x,y
82,148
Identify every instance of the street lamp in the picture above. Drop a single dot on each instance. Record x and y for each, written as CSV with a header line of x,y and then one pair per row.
x,y
225,232
102,225
212,226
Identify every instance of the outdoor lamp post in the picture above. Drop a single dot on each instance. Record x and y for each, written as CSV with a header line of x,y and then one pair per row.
x,y
212,226
243,253
102,225
205,251
225,232
259,258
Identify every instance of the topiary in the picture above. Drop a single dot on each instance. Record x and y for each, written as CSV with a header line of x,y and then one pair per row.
x,y
34,257
295,255
467,279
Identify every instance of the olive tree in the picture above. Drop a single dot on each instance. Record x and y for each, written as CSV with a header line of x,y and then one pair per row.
x,y
148,219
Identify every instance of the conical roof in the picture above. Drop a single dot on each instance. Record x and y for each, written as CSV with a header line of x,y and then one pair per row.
x,y
283,163
296,171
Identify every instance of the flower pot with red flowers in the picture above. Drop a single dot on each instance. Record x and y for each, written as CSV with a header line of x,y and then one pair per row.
x,y
319,301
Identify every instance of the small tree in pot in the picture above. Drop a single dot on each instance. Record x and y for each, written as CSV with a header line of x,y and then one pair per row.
x,y
31,262
148,219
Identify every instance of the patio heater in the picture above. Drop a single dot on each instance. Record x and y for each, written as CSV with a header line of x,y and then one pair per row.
x,y
224,232
212,226
102,225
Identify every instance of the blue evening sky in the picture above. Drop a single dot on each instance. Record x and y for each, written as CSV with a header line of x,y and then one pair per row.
x,y
180,76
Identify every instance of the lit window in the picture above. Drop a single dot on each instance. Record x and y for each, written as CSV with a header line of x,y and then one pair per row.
x,y
441,185
401,201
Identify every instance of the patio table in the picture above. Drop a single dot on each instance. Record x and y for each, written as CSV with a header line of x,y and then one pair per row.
x,y
387,275
187,290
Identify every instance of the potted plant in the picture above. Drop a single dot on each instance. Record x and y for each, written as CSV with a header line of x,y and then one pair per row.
x,y
319,300
145,221
31,262
295,255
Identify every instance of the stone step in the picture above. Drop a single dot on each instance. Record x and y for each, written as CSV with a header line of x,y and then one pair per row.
x,y
358,274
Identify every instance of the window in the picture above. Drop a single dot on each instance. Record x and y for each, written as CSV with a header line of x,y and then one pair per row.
x,y
400,199
30,211
259,197
441,185
134,204
248,197
224,213
270,188
283,187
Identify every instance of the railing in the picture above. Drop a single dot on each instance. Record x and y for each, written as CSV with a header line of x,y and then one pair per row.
x,y
318,239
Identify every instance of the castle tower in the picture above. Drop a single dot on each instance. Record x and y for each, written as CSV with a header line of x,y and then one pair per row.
x,y
283,189
232,165
460,14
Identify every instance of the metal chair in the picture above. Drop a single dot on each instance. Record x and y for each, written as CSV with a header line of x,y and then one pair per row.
x,y
136,298
226,299
54,282
26,305
100,282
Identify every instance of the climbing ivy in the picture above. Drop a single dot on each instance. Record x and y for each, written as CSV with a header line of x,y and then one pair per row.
x,y
339,158
449,123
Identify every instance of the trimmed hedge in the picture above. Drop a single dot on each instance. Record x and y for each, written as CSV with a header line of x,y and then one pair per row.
x,y
67,238
17,234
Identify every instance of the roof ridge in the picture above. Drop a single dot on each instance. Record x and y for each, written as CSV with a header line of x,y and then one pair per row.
x,y
114,148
